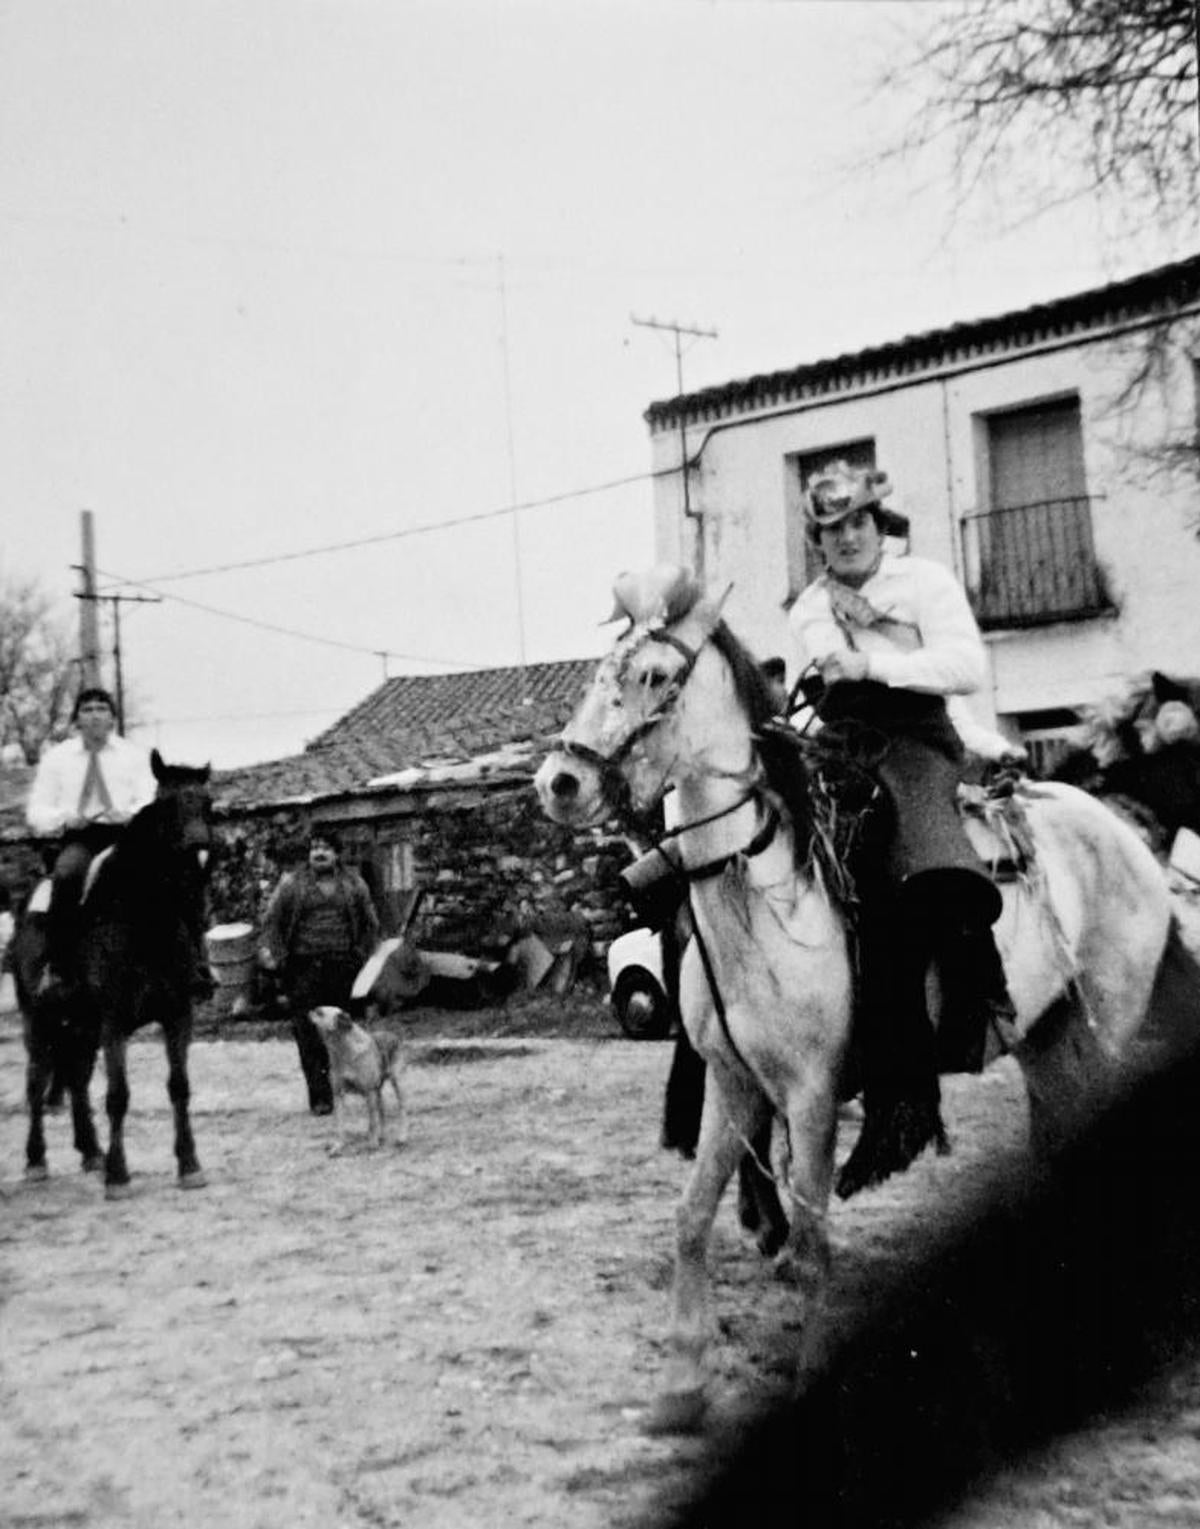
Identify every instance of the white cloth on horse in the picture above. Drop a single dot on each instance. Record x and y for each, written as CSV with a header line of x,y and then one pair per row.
x,y
58,786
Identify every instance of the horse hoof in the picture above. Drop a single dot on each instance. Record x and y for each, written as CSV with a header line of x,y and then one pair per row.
x,y
118,1191
36,1173
676,1412
92,1164
194,1180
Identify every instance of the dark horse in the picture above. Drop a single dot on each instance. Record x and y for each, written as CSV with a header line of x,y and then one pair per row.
x,y
141,926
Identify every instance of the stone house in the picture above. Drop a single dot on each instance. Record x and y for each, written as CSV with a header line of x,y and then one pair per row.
x,y
1047,455
428,784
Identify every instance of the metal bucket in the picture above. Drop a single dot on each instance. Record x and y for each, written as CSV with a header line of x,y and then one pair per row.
x,y
230,949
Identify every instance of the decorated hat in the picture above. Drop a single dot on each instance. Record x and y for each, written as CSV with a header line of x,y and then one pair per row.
x,y
838,490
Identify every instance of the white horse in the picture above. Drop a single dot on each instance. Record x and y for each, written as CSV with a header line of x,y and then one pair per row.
x,y
766,985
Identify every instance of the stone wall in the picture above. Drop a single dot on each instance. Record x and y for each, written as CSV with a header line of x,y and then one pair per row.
x,y
492,868
499,869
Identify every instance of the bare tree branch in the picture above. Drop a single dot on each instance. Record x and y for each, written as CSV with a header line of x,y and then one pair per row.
x,y
37,668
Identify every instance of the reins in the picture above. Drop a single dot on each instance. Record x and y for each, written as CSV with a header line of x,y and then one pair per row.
x,y
616,792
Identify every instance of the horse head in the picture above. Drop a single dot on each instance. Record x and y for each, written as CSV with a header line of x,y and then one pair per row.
x,y
660,710
182,808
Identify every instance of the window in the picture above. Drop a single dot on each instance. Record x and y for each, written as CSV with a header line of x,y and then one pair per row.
x,y
803,561
1049,736
1029,556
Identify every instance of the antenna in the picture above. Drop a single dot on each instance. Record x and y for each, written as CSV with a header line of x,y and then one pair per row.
x,y
512,462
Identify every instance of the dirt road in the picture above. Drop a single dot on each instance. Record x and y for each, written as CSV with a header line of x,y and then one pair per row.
x,y
463,1331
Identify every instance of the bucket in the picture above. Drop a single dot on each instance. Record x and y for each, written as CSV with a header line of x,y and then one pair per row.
x,y
230,949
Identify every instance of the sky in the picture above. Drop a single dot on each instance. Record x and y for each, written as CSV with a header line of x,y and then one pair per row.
x,y
285,276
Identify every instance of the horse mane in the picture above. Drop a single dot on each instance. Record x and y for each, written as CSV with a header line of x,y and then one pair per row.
x,y
751,687
779,747
806,780
147,843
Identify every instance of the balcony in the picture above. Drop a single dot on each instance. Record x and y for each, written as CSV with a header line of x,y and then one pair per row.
x,y
1033,564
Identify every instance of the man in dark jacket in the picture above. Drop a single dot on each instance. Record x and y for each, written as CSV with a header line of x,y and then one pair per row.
x,y
319,928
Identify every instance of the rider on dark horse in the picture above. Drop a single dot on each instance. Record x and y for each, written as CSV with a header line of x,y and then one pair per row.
x,y
84,791
893,640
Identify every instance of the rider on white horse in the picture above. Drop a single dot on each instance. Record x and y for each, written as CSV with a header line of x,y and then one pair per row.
x,y
892,639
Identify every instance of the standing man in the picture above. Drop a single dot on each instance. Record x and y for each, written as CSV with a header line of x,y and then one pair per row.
x,y
84,791
892,639
319,928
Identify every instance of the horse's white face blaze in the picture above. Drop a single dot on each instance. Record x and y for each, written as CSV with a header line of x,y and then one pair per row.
x,y
634,695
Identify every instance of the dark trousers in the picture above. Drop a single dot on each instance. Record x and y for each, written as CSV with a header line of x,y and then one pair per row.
x,y
311,981
78,849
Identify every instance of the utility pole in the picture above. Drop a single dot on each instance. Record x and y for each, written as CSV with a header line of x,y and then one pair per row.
x,y
89,621
89,624
679,330
117,602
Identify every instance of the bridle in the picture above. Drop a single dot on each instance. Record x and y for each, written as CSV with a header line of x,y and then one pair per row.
x,y
615,789
616,792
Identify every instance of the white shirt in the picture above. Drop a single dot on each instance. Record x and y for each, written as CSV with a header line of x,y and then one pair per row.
x,y
54,796
929,642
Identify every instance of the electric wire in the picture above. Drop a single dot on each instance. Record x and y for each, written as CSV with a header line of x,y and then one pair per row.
x,y
419,530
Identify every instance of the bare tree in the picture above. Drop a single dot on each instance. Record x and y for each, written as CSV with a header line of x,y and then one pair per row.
x,y
37,668
1057,99
1043,102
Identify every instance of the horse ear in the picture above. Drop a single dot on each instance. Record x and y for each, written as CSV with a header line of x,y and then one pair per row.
x,y
157,767
664,593
708,611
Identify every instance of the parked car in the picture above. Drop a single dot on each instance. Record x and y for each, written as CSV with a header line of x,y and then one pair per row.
x,y
639,997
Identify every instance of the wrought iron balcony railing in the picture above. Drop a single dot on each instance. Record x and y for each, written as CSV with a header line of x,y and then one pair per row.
x,y
1033,564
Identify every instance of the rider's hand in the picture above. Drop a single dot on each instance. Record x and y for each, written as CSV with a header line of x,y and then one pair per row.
x,y
845,665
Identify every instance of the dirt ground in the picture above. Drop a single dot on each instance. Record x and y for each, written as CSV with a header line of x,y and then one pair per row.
x,y
465,1330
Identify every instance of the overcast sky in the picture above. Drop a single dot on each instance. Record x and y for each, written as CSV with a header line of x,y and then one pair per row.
x,y
280,275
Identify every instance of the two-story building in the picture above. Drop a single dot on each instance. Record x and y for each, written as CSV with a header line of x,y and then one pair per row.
x,y
1049,456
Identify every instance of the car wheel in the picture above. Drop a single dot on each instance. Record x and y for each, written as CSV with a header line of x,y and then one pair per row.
x,y
642,1009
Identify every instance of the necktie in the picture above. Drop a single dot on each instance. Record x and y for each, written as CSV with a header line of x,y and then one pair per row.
x,y
94,785
853,612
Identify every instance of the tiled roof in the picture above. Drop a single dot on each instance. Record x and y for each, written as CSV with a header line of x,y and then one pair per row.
x,y
1158,291
421,730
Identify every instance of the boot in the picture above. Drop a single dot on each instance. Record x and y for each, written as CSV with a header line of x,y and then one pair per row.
x,y
976,1006
901,1095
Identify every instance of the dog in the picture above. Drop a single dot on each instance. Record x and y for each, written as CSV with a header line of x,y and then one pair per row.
x,y
360,1062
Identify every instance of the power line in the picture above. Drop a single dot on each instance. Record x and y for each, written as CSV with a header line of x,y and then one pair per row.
x,y
285,631
390,536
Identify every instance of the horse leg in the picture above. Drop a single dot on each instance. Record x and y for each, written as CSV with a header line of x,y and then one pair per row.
x,y
78,1079
37,1078
682,1405
177,1037
116,1104
804,1261
759,1208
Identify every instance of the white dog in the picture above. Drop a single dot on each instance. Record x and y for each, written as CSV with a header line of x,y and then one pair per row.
x,y
360,1062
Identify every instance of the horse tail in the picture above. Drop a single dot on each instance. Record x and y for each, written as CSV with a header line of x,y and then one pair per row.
x,y
1173,1013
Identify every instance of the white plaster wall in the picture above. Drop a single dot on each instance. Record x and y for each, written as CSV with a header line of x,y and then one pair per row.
x,y
926,439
